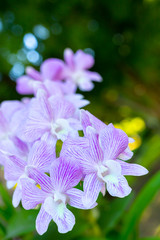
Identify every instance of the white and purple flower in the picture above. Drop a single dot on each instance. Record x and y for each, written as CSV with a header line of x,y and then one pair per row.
x,y
29,130
56,192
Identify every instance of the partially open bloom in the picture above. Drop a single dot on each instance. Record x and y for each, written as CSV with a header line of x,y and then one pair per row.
x,y
76,70
51,70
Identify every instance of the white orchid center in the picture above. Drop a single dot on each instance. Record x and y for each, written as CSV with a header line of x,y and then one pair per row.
x,y
78,76
60,128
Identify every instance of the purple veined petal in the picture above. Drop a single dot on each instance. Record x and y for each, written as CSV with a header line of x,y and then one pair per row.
x,y
64,222
40,178
77,100
126,154
132,169
87,119
24,85
75,124
20,163
33,73
61,108
44,104
52,69
112,141
92,187
4,125
94,76
13,168
80,155
20,116
64,218
37,122
42,221
41,155
70,142
95,150
31,195
64,174
53,88
85,84
75,198
8,148
69,58
68,87
49,138
17,196
22,147
3,158
10,107
83,60
118,187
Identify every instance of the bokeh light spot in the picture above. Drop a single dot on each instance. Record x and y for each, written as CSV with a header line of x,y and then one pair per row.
x,y
1,25
90,51
16,71
41,32
30,41
33,56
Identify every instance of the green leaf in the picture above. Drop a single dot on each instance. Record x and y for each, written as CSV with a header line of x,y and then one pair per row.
x,y
150,238
114,211
92,238
150,152
5,196
141,202
22,222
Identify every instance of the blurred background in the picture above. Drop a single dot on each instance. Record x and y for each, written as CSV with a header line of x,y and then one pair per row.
x,y
124,38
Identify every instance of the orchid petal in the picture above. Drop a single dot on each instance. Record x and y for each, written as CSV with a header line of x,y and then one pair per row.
x,y
113,141
132,169
42,221
42,179
83,60
41,155
52,68
118,187
64,174
69,57
31,195
95,150
92,187
17,196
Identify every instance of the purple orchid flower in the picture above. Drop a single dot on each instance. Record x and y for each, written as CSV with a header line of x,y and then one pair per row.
x,y
50,118
56,192
40,155
76,70
50,70
100,163
8,141
87,119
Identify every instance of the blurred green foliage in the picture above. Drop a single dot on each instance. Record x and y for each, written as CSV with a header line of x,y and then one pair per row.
x,y
124,36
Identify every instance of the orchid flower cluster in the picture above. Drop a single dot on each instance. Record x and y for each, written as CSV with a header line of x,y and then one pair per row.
x,y
30,129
